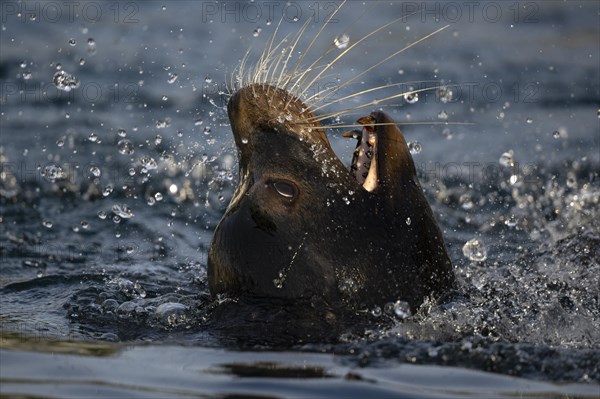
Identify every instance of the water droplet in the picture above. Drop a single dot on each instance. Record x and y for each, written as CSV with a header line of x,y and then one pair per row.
x,y
107,191
121,132
411,98
93,137
447,133
571,180
95,171
122,211
511,221
72,42
466,202
474,250
207,129
158,196
85,224
158,139
82,61
257,31
244,140
506,159
102,215
444,94
408,221
415,147
348,286
27,75
560,133
91,42
402,309
148,163
65,82
23,65
52,172
140,290
47,224
529,120
60,142
125,147
443,115
172,78
171,313
376,311
342,41
208,79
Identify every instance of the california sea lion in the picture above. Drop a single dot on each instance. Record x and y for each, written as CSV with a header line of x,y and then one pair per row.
x,y
302,226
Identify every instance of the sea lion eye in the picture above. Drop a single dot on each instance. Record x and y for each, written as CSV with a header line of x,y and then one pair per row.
x,y
285,189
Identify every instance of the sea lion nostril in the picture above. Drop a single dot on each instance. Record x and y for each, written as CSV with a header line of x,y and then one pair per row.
x,y
285,189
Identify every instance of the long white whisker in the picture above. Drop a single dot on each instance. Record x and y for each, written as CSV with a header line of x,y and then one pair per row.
x,y
362,92
242,67
264,67
275,64
291,51
312,67
384,60
313,42
397,123
269,53
346,51
374,102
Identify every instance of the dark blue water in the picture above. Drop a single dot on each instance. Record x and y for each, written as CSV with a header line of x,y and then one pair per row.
x,y
109,194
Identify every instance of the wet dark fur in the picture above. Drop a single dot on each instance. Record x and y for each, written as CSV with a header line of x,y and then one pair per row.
x,y
359,254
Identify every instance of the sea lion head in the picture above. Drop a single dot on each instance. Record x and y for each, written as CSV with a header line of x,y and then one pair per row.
x,y
301,225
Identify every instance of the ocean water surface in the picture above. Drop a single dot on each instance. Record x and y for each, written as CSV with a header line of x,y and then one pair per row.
x,y
117,162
